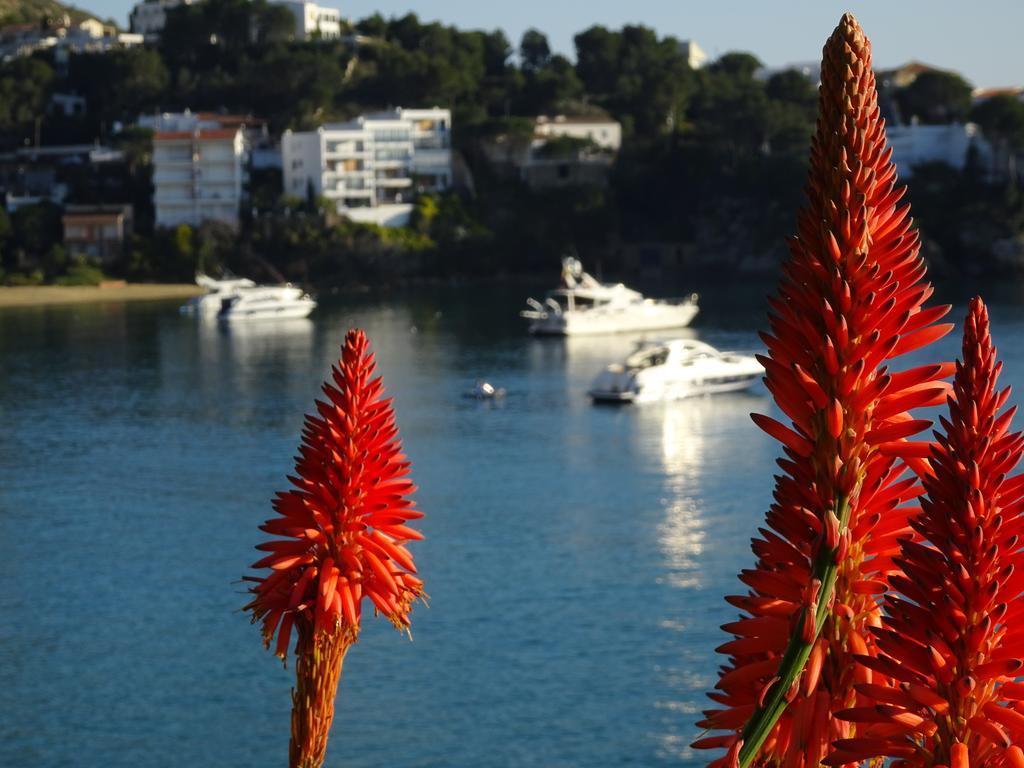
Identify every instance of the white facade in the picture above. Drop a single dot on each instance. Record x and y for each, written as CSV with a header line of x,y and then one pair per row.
x,y
695,55
606,134
312,20
198,175
148,17
372,167
916,143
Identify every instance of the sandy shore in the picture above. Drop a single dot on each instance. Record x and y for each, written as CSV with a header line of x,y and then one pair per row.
x,y
35,296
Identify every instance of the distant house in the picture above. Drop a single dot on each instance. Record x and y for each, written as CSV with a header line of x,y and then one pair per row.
x,y
562,151
313,21
951,144
980,95
63,37
372,167
603,132
35,174
695,55
149,17
903,75
98,231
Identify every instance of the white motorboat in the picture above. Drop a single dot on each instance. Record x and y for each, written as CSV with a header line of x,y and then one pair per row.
x,y
210,303
674,369
585,306
277,302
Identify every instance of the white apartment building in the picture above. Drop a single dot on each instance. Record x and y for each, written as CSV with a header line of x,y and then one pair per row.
x,y
312,20
148,17
372,167
198,174
917,143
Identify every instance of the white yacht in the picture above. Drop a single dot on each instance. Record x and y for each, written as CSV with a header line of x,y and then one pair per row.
x,y
209,304
272,302
585,306
674,369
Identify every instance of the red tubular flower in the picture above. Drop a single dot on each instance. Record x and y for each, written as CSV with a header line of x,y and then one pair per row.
x,y
344,527
952,640
851,298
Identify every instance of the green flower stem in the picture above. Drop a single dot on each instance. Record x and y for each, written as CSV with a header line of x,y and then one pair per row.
x,y
825,569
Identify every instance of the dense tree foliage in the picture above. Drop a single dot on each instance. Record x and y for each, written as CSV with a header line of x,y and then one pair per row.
x,y
935,97
1002,118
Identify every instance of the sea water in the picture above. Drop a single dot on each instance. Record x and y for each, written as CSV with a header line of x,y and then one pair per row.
x,y
576,557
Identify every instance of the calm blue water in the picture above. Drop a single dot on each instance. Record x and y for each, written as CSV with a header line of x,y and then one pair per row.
x,y
576,557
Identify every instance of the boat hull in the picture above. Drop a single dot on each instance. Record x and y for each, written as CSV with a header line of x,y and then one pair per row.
x,y
679,390
652,317
283,313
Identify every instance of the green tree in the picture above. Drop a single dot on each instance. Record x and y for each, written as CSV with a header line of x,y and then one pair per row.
x,y
551,88
1002,119
737,65
534,51
118,84
597,59
642,80
25,86
935,97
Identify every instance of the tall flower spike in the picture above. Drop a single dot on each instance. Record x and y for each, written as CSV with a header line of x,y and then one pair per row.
x,y
345,528
952,639
850,299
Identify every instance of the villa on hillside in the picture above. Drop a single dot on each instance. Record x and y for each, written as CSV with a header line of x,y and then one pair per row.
x,y
312,21
559,151
63,37
372,167
148,17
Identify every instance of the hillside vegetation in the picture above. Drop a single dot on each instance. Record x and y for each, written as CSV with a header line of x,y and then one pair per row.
x,y
31,11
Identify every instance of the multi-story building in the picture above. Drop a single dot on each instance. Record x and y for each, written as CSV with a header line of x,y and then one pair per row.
x,y
148,17
372,167
198,174
314,21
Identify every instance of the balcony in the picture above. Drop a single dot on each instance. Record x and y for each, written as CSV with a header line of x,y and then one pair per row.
x,y
394,182
346,151
430,141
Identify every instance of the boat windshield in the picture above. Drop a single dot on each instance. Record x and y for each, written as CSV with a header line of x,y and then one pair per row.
x,y
574,302
648,357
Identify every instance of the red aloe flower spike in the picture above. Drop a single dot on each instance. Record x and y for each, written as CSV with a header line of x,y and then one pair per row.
x,y
947,628
850,299
345,529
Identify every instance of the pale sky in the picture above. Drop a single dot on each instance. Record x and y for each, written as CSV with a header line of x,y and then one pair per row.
x,y
980,39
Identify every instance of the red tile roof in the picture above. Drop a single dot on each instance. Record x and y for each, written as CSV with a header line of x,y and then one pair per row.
x,y
205,133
